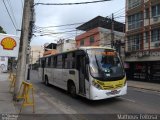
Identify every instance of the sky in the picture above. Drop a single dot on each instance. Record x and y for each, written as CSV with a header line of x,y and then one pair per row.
x,y
57,15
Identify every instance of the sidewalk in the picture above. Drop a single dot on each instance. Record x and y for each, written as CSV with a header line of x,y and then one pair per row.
x,y
44,104
46,107
6,103
144,85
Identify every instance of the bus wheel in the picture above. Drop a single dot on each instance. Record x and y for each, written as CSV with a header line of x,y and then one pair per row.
x,y
46,81
72,90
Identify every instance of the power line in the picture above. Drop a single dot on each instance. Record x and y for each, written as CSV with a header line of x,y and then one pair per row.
x,y
12,11
71,3
117,12
10,15
61,25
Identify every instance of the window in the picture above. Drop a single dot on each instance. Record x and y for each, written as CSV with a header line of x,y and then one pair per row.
x,y
92,39
70,61
59,61
82,42
155,10
46,62
64,57
49,62
146,36
133,3
155,35
135,21
134,42
54,61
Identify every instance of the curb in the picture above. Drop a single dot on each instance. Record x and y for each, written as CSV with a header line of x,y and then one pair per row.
x,y
144,88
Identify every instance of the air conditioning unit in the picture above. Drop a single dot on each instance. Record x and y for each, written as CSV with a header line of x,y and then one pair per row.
x,y
155,19
157,45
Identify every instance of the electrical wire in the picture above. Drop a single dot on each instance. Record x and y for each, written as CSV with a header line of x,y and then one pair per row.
x,y
72,3
12,11
10,16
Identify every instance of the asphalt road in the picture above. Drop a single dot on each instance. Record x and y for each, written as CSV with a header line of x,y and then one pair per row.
x,y
137,101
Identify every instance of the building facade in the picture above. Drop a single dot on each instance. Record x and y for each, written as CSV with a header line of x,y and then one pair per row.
x,y
98,33
36,53
142,44
65,45
50,49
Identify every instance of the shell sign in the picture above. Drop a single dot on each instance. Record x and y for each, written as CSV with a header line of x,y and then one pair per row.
x,y
9,45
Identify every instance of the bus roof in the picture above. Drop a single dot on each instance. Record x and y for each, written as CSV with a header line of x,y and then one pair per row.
x,y
82,48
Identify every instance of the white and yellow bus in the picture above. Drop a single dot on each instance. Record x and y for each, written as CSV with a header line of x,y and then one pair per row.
x,y
92,72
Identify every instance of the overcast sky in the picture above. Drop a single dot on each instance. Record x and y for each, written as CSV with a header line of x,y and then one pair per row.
x,y
58,15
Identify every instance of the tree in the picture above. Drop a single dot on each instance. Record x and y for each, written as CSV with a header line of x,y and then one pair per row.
x,y
1,30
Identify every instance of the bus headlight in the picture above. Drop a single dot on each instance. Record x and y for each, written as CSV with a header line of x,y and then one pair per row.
x,y
95,84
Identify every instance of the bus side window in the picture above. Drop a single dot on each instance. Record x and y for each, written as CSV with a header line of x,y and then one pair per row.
x,y
59,61
73,61
55,62
49,62
64,59
43,63
46,62
52,62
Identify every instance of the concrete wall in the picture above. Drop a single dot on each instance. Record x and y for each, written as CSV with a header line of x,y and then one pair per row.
x,y
66,45
36,52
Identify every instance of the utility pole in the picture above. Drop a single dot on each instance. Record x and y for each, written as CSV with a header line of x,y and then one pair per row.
x,y
24,40
112,31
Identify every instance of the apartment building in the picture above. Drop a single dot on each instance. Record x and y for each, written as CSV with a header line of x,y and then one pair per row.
x,y
97,32
142,44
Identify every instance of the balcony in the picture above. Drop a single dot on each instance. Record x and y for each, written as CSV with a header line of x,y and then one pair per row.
x,y
134,3
135,25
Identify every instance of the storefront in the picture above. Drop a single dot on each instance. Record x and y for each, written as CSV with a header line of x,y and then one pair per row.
x,y
143,66
145,71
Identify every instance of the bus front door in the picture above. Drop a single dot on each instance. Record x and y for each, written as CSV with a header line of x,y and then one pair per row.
x,y
81,68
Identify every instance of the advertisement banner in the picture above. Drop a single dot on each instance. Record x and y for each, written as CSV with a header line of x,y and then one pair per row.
x,y
9,45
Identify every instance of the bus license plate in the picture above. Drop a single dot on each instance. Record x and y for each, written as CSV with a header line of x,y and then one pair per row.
x,y
113,92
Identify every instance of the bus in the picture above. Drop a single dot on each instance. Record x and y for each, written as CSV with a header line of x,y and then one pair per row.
x,y
91,72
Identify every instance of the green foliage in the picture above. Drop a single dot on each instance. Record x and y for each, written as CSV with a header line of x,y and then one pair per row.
x,y
1,30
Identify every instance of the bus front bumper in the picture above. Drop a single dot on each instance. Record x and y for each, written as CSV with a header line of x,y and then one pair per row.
x,y
96,94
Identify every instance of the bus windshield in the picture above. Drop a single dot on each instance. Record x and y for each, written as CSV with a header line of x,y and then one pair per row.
x,y
105,64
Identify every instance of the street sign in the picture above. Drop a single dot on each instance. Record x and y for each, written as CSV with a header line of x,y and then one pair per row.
x,y
9,45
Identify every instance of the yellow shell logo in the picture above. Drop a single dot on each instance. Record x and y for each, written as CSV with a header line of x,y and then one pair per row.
x,y
8,43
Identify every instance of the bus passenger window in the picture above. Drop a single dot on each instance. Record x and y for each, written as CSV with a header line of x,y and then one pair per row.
x,y
55,62
49,62
59,61
43,63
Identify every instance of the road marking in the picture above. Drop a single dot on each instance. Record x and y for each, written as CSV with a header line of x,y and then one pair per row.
x,y
128,99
